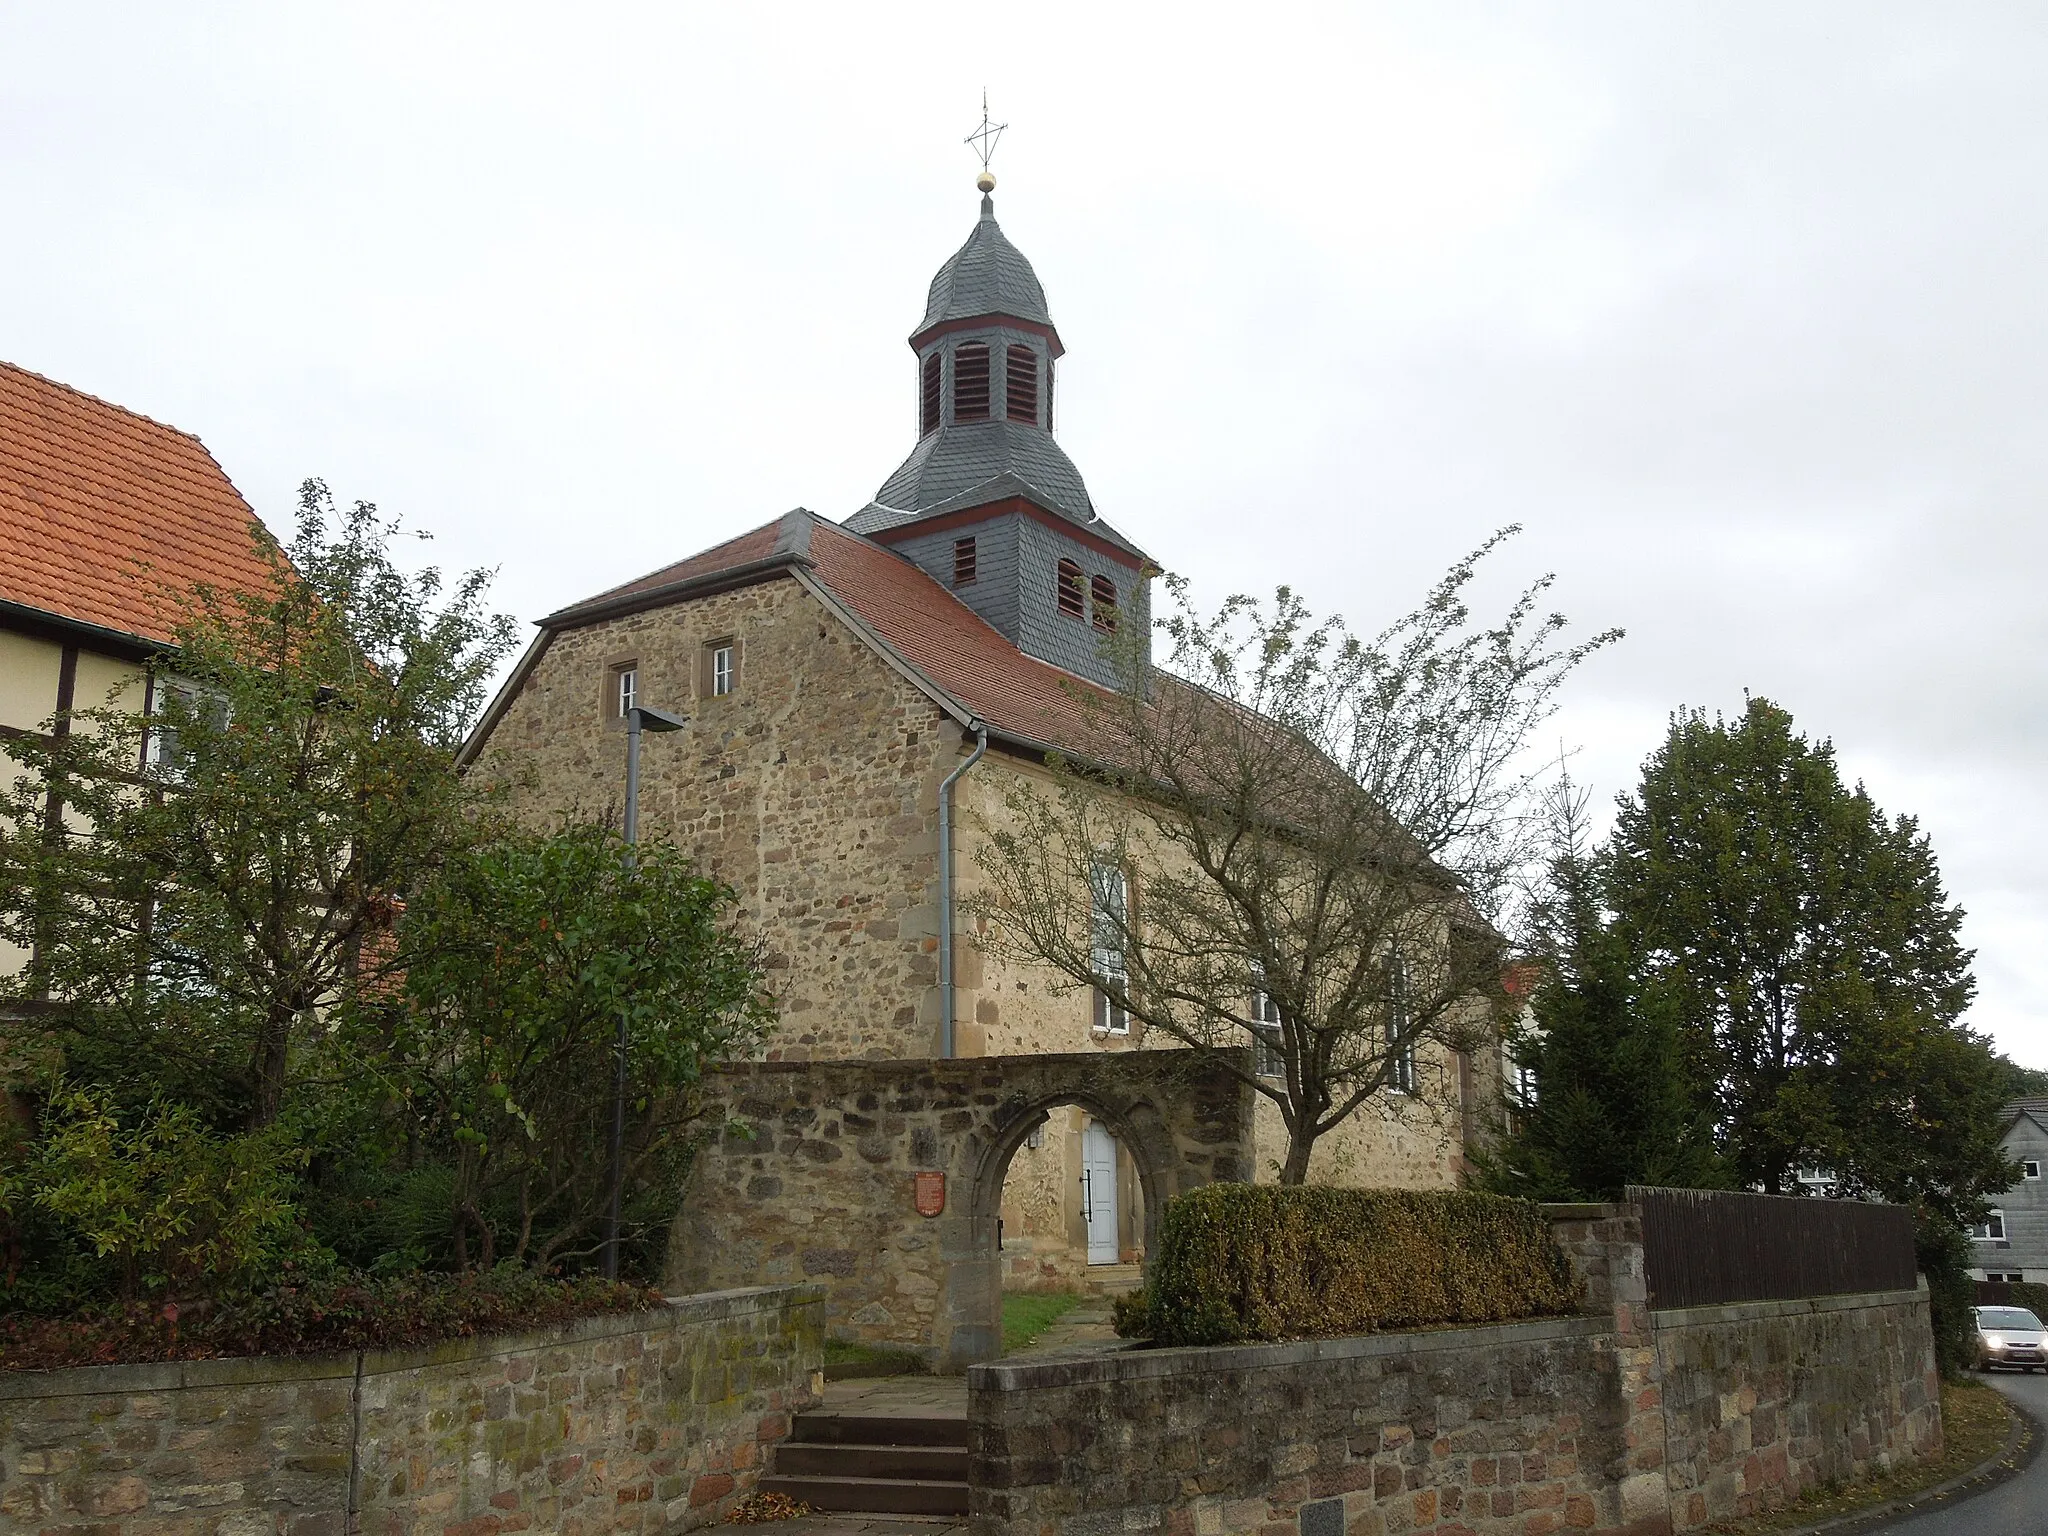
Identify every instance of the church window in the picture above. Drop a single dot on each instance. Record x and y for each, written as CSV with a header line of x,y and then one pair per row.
x,y
963,562
1109,894
1268,1045
1070,589
928,404
1021,379
1102,592
970,382
625,689
1401,1075
720,673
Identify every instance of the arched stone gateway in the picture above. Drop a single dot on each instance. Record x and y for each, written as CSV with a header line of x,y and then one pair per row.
x,y
882,1180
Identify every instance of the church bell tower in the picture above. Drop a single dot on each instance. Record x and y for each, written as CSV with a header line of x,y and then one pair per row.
x,y
988,503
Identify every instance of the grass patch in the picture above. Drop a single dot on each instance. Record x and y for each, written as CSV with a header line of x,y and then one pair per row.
x,y
1974,1423
846,1359
1027,1314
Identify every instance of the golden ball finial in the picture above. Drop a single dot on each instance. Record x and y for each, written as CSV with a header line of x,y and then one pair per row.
x,y
986,182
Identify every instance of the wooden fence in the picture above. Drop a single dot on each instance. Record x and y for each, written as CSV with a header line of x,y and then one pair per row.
x,y
1705,1247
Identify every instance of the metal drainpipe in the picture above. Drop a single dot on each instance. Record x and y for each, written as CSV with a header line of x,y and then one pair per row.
x,y
946,889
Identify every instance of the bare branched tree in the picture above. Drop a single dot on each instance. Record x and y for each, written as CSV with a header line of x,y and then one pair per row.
x,y
1293,838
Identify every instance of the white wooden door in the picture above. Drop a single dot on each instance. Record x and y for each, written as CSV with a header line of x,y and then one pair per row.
x,y
1098,1192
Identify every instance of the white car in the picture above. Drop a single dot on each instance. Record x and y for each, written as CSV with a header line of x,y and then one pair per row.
x,y
2010,1336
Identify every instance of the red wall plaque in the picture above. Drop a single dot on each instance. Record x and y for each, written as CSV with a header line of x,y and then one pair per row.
x,y
931,1193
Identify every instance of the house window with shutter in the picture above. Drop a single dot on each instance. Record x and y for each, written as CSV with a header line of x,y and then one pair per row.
x,y
970,382
1020,401
1070,589
1102,591
929,396
963,562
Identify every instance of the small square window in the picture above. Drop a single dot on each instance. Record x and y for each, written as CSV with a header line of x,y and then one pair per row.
x,y
1035,1137
2030,1169
719,674
625,690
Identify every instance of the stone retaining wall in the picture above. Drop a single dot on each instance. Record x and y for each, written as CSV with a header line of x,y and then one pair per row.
x,y
1515,1428
1765,1399
642,1423
1625,1420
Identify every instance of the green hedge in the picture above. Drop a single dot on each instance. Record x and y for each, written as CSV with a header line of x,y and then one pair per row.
x,y
1247,1261
328,1314
2032,1295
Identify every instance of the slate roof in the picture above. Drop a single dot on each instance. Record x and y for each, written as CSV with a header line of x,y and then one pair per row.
x,y
986,276
956,459
101,510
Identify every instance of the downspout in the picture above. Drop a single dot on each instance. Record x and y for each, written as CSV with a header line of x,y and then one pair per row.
x,y
946,889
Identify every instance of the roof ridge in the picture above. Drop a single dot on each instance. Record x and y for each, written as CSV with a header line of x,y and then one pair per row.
x,y
105,404
779,524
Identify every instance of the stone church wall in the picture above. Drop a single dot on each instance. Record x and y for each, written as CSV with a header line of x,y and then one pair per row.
x,y
812,789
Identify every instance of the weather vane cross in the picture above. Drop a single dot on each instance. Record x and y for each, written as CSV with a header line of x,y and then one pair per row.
x,y
984,139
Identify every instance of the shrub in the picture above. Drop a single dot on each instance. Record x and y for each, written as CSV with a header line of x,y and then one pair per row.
x,y
1943,1253
316,1315
165,1203
2033,1296
1243,1261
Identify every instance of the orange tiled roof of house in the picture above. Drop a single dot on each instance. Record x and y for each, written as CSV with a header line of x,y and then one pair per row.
x,y
102,510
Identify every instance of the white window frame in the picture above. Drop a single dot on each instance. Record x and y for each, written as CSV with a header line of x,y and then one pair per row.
x,y
625,689
159,742
1991,1229
1269,1053
1109,907
1403,1078
723,669
2030,1168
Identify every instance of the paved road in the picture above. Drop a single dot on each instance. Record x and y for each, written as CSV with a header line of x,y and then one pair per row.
x,y
2015,1508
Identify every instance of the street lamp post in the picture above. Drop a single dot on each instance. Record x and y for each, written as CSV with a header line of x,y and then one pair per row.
x,y
638,718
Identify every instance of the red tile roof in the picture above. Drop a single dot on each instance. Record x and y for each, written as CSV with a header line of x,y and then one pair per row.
x,y
102,510
950,643
749,546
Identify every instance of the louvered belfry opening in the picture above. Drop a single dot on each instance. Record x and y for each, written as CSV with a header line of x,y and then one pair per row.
x,y
1102,591
1070,589
970,382
1020,397
963,562
931,396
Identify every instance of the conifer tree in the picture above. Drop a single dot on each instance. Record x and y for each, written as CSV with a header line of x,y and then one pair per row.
x,y
1605,1097
1814,965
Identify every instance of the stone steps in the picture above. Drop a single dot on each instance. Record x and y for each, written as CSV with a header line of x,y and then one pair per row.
x,y
873,1463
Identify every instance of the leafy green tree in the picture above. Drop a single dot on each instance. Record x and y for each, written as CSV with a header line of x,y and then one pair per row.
x,y
1606,1094
1814,963
520,962
199,878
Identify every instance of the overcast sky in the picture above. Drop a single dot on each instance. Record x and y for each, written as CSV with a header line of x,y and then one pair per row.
x,y
1738,308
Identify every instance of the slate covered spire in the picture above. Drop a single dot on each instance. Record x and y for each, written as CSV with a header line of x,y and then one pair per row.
x,y
984,403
